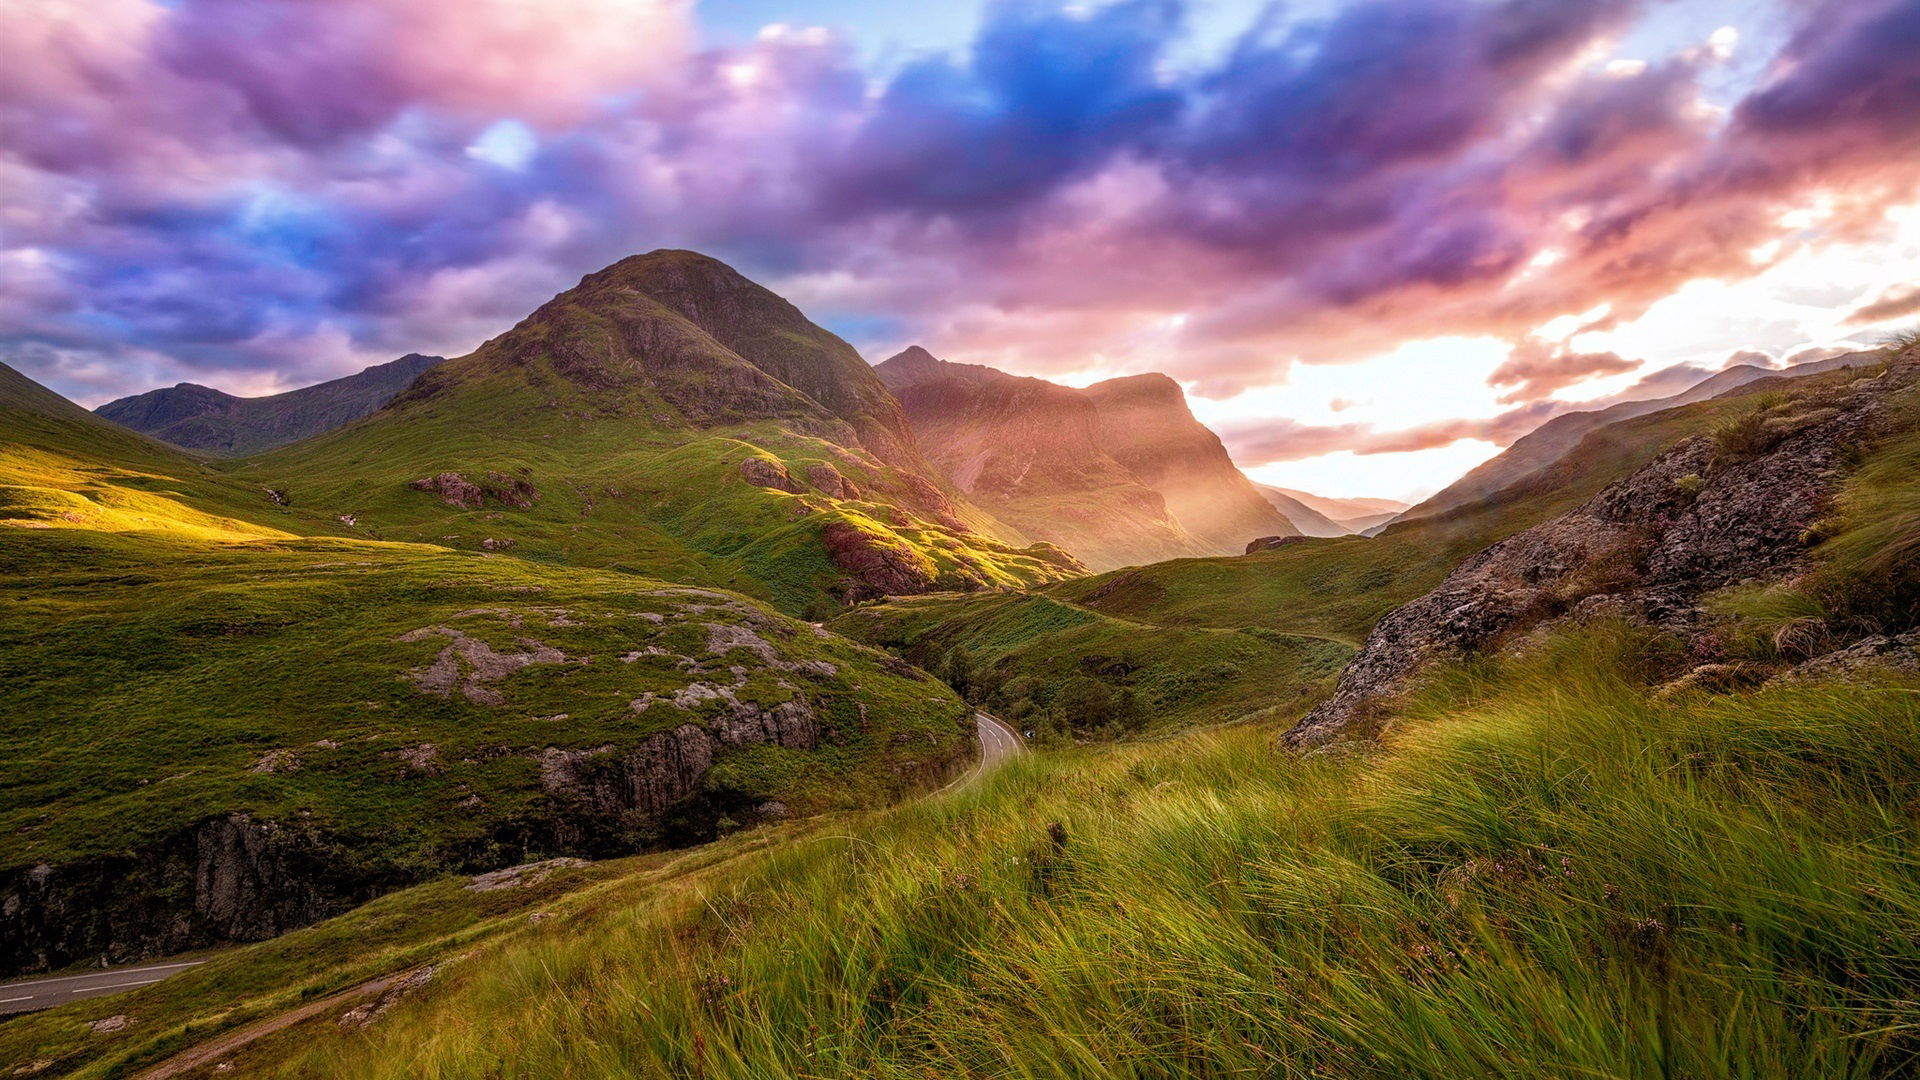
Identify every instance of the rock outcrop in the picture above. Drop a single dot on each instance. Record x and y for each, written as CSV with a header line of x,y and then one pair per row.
x,y
1712,511
877,565
229,878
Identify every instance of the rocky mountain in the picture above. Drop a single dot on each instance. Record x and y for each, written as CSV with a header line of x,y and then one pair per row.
x,y
1743,505
667,414
1550,441
1119,474
202,418
1146,425
1029,451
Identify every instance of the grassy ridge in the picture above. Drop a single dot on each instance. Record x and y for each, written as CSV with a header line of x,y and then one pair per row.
x,y
1544,873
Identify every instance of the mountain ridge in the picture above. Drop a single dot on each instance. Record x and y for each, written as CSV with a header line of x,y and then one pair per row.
x,y
201,418
1119,473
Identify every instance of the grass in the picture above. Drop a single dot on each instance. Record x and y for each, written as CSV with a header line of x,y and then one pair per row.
x,y
1022,650
1545,872
181,645
239,985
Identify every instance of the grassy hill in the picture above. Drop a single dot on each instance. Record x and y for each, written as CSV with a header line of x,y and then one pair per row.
x,y
1311,602
226,722
1545,873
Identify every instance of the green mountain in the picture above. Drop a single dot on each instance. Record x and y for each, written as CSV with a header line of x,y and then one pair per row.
x,y
667,416
202,418
1146,483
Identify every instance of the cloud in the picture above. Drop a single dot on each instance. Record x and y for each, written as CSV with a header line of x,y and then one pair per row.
x,y
1897,302
229,182
1537,368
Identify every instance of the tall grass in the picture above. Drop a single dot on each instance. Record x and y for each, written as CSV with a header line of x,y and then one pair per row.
x,y
1545,873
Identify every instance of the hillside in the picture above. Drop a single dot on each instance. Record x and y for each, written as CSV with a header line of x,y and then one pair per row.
x,y
1148,484
201,418
1552,440
300,720
666,417
1333,590
1574,853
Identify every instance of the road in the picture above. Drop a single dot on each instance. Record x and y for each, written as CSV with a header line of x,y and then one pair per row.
x,y
30,994
999,743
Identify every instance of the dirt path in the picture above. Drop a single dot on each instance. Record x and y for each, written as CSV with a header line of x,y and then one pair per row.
x,y
208,1052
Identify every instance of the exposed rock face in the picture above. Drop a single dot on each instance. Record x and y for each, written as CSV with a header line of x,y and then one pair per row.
x,y
240,880
767,473
878,567
1697,518
827,481
665,770
1040,457
202,418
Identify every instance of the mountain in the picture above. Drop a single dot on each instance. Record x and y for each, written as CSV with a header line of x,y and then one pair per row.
x,y
1630,775
670,416
1030,452
1745,506
1550,441
303,716
1341,510
1119,474
1146,425
202,418
1317,515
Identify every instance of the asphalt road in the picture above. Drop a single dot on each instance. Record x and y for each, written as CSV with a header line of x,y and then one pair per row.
x,y
30,994
998,742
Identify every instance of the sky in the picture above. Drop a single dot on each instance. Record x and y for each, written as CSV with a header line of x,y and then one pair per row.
x,y
1376,240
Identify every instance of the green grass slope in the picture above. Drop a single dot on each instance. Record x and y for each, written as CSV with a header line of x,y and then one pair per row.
x,y
185,645
1329,590
1544,873
1061,669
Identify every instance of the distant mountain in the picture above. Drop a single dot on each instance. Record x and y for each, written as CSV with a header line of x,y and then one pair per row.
x,y
1309,521
1119,473
1551,441
670,415
1318,515
202,418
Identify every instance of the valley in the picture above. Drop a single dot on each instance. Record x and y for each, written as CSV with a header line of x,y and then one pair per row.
x,y
662,658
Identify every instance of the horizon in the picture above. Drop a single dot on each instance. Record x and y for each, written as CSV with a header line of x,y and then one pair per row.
x,y
1375,242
